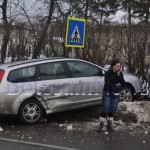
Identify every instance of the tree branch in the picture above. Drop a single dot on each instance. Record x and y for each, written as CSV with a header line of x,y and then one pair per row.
x,y
27,16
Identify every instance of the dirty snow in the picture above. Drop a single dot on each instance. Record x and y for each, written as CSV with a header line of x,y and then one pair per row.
x,y
1,129
129,115
61,125
70,128
144,142
106,133
140,109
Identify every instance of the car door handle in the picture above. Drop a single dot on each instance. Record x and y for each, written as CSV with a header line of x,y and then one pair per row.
x,y
44,86
80,82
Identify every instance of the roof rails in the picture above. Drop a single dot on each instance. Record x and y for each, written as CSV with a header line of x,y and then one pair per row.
x,y
34,60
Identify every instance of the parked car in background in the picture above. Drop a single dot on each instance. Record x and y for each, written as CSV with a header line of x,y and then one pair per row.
x,y
33,88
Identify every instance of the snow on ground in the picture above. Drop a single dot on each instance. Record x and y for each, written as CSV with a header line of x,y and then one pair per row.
x,y
1,129
129,115
140,109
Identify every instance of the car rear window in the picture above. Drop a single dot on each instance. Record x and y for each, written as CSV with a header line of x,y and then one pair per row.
x,y
22,75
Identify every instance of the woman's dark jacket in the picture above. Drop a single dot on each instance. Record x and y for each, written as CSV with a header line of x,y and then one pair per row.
x,y
111,81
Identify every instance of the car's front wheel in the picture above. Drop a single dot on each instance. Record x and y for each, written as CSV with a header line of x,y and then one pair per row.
x,y
126,95
31,112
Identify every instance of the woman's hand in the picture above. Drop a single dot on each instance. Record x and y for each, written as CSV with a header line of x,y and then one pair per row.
x,y
118,73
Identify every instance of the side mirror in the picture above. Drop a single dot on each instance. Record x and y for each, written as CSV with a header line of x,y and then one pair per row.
x,y
103,73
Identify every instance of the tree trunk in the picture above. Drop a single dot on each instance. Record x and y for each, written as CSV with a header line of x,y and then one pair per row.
x,y
129,40
6,34
41,41
142,55
85,17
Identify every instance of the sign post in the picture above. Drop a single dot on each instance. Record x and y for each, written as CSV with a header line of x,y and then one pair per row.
x,y
75,33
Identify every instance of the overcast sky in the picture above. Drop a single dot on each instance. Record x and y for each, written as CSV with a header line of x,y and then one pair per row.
x,y
38,8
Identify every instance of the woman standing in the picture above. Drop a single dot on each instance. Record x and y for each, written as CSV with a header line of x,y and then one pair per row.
x,y
114,83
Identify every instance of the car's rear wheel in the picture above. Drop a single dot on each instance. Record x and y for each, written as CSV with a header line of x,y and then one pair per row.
x,y
31,112
127,95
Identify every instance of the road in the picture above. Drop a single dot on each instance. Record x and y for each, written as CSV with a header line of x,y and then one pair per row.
x,y
53,135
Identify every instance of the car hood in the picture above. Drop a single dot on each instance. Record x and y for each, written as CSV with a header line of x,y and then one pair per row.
x,y
128,74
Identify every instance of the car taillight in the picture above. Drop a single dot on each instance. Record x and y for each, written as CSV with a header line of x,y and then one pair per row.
x,y
2,72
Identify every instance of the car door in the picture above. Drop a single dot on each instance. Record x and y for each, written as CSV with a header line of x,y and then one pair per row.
x,y
21,83
88,81
54,85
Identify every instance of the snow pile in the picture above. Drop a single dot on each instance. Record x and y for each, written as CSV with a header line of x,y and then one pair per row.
x,y
130,115
70,128
141,110
92,125
1,129
61,125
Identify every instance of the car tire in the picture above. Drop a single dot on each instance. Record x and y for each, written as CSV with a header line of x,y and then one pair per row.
x,y
126,95
31,112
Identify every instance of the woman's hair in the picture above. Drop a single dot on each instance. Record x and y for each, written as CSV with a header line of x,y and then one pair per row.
x,y
114,62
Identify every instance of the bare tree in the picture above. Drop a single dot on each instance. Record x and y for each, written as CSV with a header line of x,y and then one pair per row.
x,y
7,30
41,41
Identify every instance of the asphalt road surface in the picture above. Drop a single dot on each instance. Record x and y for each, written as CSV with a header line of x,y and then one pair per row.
x,y
53,135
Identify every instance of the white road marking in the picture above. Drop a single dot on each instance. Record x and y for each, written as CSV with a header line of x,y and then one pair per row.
x,y
36,144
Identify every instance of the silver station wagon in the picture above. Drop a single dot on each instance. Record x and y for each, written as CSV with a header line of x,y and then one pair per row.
x,y
33,88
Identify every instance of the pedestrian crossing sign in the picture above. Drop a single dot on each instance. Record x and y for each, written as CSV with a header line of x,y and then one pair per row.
x,y
75,32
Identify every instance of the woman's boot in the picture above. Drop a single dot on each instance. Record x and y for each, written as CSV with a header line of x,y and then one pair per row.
x,y
110,124
101,124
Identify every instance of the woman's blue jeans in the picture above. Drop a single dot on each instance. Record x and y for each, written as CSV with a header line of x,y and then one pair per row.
x,y
110,102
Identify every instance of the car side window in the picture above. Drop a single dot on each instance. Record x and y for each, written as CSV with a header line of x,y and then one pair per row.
x,y
83,69
26,74
53,70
